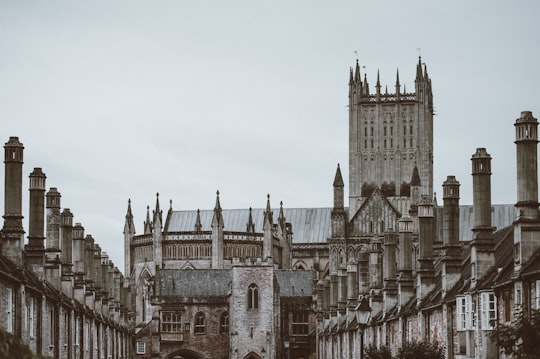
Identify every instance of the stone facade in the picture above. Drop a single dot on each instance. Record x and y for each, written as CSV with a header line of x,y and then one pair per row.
x,y
58,312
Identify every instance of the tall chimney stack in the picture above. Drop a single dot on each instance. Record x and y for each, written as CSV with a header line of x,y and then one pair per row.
x,y
35,249
13,232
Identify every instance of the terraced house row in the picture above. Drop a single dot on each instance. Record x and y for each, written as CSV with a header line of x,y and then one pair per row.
x,y
59,293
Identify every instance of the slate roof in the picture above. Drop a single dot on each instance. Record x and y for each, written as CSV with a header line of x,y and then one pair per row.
x,y
309,225
194,283
312,225
295,283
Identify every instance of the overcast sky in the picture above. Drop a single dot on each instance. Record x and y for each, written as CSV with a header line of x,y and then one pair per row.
x,y
123,99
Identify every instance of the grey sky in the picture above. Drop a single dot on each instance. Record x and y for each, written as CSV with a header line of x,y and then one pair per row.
x,y
123,99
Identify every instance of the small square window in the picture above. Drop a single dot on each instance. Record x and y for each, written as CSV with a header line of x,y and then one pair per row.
x,y
141,348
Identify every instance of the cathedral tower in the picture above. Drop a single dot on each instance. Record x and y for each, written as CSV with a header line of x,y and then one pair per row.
x,y
388,135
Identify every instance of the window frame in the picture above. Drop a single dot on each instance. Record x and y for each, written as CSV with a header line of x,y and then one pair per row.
x,y
199,326
140,348
300,323
253,297
488,310
224,323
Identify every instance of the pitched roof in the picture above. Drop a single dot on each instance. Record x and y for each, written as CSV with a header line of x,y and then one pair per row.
x,y
312,225
309,225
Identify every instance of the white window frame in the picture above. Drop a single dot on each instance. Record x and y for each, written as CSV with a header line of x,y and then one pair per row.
x,y
464,312
10,325
488,310
141,348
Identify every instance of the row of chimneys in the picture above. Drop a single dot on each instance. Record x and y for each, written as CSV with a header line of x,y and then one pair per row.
x,y
71,262
399,284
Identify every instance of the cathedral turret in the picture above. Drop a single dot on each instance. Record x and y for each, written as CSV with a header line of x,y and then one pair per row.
x,y
157,235
338,212
129,232
148,222
398,86
250,226
217,235
482,245
198,224
13,232
268,225
378,86
35,249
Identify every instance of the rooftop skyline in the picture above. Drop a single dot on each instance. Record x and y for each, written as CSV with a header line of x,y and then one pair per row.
x,y
122,100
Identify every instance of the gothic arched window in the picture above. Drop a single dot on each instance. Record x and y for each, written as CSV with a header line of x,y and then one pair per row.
x,y
200,325
253,296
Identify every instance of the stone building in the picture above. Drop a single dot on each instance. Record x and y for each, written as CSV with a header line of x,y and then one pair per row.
x,y
285,282
444,275
219,284
59,293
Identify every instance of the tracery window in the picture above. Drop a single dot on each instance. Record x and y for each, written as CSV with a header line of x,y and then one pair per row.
x,y
253,296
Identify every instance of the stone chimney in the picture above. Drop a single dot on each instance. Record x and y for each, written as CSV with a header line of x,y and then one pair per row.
x,y
482,245
451,270
426,271
13,232
35,249
526,233
390,290
405,279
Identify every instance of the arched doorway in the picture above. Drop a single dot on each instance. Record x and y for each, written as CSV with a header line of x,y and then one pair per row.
x,y
252,355
184,354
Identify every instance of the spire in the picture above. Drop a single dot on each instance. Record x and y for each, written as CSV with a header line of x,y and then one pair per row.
x,y
158,213
350,76
338,180
366,85
147,223
129,226
357,72
415,180
198,225
419,75
268,218
397,78
129,215
378,85
281,217
250,227
217,219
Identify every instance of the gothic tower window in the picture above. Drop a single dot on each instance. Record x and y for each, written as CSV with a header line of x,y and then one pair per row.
x,y
253,296
200,325
300,323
